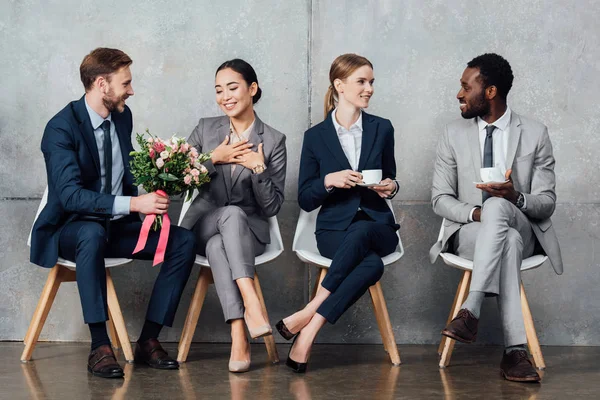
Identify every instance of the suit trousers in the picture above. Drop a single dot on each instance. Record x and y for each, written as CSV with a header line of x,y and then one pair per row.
x,y
224,237
85,243
497,246
356,261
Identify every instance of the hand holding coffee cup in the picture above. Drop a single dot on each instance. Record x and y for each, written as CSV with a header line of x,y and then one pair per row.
x,y
345,179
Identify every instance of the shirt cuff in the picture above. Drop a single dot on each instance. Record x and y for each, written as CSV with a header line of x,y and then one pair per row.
x,y
470,219
121,205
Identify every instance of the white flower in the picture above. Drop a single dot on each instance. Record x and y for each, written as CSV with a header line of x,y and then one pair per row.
x,y
203,169
160,163
164,155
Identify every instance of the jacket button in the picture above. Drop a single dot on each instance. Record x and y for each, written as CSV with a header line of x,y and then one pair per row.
x,y
226,203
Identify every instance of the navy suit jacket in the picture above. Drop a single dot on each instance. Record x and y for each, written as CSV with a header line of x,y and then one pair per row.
x,y
73,172
322,154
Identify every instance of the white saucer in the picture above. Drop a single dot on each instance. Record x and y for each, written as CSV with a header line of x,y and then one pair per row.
x,y
368,185
490,183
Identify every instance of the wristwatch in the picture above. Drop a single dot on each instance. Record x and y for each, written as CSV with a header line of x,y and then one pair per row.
x,y
259,169
520,200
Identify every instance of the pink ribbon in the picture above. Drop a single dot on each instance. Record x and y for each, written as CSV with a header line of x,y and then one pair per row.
x,y
159,254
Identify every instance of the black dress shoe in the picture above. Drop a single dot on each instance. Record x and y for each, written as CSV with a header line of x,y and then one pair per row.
x,y
517,367
284,331
152,354
103,363
297,367
462,328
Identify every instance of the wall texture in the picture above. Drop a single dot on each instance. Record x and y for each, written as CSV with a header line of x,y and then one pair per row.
x,y
419,49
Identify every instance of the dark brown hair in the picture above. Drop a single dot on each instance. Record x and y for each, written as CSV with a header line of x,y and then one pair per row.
x,y
246,71
341,68
102,62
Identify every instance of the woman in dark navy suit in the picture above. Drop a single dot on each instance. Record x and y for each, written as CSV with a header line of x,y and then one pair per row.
x,y
355,227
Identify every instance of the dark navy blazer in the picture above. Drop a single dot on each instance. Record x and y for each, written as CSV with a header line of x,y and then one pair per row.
x,y
322,154
73,173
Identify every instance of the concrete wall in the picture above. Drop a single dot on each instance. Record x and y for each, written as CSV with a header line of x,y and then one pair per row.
x,y
419,49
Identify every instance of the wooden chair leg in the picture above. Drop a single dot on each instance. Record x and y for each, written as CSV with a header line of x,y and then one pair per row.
x,y
117,318
383,320
269,340
320,276
114,338
191,320
450,317
448,344
532,339
41,312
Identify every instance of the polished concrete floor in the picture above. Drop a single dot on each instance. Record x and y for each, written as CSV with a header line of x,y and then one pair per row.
x,y
58,371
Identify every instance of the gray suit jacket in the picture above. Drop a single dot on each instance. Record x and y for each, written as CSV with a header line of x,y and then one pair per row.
x,y
457,166
259,195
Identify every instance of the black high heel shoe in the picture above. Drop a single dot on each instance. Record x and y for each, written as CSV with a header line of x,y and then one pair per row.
x,y
284,331
297,367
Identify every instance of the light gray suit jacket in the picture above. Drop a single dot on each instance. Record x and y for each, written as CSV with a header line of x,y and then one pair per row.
x,y
457,166
259,195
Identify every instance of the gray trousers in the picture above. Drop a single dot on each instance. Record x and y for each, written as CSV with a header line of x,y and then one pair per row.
x,y
223,236
497,245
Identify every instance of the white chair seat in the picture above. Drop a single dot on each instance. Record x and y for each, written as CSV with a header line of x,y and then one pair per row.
x,y
108,262
467,265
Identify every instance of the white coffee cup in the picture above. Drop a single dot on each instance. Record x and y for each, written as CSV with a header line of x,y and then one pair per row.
x,y
493,174
371,176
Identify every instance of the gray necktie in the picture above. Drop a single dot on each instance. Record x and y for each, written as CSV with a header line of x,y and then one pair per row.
x,y
107,157
488,154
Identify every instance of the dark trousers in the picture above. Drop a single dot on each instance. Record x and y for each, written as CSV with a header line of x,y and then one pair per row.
x,y
356,261
84,242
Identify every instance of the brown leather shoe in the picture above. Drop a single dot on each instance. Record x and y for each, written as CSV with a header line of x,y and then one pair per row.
x,y
103,363
462,328
152,354
516,366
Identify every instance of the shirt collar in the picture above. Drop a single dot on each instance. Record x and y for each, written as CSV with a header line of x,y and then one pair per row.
x,y
244,134
95,118
501,123
337,126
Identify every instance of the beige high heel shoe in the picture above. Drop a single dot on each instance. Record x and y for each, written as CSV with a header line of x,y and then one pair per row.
x,y
240,366
259,331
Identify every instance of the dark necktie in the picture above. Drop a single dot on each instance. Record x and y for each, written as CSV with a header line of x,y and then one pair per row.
x,y
488,154
107,157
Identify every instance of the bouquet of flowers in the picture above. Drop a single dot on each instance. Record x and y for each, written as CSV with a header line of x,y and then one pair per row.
x,y
168,167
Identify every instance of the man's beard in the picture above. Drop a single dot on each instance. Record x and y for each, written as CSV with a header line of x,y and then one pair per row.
x,y
478,107
113,103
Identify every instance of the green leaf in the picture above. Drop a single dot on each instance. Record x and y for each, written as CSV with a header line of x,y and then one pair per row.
x,y
168,177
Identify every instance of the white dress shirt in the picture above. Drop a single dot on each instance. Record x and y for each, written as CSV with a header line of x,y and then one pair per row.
x,y
122,203
500,144
350,139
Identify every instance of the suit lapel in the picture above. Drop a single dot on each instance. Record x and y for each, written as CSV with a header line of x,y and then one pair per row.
x,y
474,147
514,138
368,139
85,126
332,142
256,137
222,131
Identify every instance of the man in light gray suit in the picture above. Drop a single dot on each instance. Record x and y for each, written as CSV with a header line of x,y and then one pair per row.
x,y
495,224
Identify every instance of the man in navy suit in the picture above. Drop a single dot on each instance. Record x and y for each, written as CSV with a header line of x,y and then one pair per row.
x,y
92,210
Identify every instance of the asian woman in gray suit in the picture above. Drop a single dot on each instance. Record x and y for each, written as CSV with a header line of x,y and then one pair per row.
x,y
230,215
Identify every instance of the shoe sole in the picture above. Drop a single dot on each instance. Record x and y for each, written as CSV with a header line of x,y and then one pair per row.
x,y
512,379
457,338
106,376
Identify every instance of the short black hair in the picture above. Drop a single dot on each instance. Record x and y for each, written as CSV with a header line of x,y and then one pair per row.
x,y
245,69
494,70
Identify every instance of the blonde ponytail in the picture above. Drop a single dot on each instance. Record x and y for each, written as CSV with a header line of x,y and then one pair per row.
x,y
329,101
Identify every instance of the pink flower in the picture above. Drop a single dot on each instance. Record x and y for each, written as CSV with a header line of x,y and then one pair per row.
x,y
159,147
184,148
152,153
203,169
160,163
194,153
195,172
150,140
196,179
187,179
